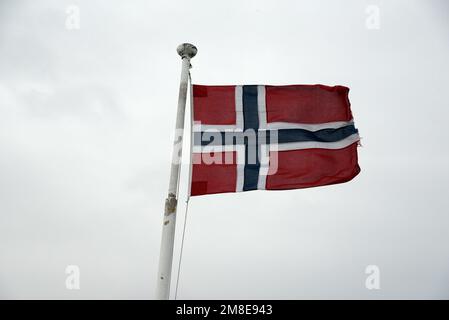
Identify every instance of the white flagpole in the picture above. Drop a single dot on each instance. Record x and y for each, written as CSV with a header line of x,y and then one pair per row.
x,y
186,51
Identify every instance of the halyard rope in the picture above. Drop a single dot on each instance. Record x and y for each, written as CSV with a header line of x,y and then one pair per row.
x,y
182,248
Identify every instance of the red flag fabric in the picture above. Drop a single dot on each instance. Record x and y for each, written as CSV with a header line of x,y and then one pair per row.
x,y
260,137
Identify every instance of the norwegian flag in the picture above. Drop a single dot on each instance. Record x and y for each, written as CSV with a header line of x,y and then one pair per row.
x,y
260,137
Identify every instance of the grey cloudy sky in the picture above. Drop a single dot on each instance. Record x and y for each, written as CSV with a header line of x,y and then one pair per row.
x,y
87,118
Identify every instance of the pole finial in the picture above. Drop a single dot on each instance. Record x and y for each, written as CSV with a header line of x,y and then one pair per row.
x,y
187,50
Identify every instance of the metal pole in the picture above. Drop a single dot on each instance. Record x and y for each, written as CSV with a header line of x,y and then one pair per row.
x,y
186,51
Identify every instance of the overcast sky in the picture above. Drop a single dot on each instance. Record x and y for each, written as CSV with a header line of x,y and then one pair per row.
x,y
86,122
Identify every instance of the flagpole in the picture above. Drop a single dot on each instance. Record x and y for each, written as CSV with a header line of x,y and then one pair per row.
x,y
186,51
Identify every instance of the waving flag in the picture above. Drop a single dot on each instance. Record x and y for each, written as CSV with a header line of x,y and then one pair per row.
x,y
257,137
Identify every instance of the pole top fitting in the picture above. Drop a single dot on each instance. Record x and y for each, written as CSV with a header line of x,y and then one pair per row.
x,y
187,50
